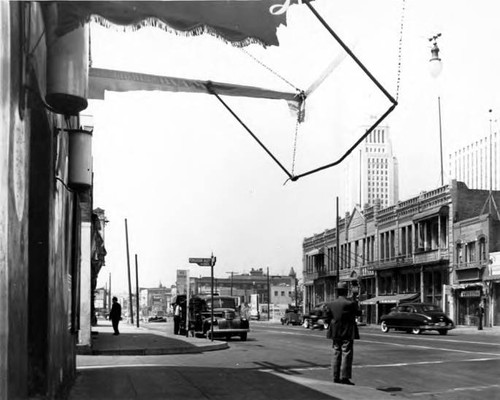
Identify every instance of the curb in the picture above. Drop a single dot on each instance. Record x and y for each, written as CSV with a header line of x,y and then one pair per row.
x,y
158,352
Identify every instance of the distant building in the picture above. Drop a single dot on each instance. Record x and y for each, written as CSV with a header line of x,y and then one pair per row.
x,y
156,299
477,162
280,287
372,172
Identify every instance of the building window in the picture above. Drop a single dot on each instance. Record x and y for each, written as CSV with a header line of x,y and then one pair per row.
x,y
275,293
282,293
482,249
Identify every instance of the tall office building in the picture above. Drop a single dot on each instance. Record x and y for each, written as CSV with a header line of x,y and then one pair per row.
x,y
477,163
372,172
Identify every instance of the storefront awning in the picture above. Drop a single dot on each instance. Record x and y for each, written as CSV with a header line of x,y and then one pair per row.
x,y
238,22
443,210
394,299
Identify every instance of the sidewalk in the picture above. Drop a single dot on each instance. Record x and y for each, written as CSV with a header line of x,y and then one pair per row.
x,y
142,341
142,380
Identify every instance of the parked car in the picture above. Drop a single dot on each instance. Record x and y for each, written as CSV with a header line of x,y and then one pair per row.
x,y
158,317
416,318
228,321
316,319
292,316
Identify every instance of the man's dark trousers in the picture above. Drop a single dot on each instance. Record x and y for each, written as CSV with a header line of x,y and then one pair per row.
x,y
343,352
115,323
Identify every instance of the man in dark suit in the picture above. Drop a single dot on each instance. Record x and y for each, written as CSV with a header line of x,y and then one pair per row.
x,y
342,330
115,315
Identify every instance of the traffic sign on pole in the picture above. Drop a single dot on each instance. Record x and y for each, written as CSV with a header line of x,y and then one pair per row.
x,y
202,262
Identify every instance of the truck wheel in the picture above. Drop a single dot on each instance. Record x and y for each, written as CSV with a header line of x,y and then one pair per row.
x,y
416,331
384,327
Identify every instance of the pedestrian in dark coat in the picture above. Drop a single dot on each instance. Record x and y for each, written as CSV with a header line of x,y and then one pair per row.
x,y
115,315
177,318
343,329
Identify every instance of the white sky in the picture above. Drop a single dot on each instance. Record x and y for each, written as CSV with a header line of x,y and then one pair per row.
x,y
191,181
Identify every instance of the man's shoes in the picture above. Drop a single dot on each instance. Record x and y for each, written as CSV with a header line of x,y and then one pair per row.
x,y
336,380
346,382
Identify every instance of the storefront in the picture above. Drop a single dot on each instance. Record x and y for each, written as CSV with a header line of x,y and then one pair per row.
x,y
467,299
377,306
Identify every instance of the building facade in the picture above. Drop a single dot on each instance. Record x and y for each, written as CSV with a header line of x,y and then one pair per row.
x,y
433,248
372,172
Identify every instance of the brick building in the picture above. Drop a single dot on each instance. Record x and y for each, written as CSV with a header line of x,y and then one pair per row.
x,y
436,247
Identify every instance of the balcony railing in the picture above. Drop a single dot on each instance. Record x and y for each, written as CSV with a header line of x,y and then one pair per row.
x,y
424,257
471,265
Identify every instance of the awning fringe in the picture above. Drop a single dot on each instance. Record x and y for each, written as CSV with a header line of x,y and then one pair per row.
x,y
157,23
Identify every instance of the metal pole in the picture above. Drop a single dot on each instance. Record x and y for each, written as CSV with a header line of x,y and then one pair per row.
x,y
296,300
231,283
129,282
268,296
137,289
337,239
440,140
212,297
109,293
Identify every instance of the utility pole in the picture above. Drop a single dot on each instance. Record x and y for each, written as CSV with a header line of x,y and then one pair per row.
x,y
231,272
337,239
131,309
268,296
137,289
109,293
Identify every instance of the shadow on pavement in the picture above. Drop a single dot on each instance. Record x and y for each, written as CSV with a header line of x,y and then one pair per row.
x,y
185,383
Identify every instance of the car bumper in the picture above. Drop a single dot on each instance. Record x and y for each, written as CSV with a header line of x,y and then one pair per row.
x,y
225,332
435,327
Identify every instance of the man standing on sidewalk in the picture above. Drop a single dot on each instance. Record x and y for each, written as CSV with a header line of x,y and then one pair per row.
x,y
115,315
343,329
177,318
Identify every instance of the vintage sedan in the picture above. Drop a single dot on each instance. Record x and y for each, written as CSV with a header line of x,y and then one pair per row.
x,y
228,322
416,318
292,316
317,318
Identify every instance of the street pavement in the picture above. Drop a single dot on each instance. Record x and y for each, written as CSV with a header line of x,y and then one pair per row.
x,y
147,381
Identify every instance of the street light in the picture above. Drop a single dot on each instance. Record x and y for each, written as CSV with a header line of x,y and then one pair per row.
x,y
435,68
435,63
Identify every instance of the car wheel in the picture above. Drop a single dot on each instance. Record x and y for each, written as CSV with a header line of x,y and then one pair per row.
x,y
416,331
384,327
243,337
443,331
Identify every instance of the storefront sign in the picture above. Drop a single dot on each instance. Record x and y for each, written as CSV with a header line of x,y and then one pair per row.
x,y
471,293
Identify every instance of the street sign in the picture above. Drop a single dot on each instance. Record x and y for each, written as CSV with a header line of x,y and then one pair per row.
x,y
202,262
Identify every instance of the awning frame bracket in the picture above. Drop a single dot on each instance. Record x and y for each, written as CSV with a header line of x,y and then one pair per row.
x,y
291,175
